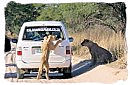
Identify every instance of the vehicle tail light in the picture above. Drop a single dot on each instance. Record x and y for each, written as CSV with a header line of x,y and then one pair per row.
x,y
19,51
68,51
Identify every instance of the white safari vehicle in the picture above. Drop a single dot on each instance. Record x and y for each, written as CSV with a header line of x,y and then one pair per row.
x,y
28,51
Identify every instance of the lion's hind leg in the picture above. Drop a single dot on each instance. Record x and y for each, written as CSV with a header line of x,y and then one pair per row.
x,y
47,71
40,70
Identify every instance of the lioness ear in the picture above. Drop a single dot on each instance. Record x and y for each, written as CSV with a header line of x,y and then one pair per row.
x,y
45,38
86,40
49,37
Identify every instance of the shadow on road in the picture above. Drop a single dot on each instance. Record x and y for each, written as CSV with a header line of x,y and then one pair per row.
x,y
12,74
82,67
77,70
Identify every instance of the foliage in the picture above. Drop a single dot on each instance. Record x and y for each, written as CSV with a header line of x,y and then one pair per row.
x,y
16,14
72,14
76,16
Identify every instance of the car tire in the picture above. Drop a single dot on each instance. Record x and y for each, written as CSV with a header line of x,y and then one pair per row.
x,y
67,72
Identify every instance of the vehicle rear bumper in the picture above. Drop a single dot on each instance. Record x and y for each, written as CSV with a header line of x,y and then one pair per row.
x,y
21,64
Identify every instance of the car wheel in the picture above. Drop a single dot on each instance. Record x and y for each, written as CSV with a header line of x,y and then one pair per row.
x,y
67,72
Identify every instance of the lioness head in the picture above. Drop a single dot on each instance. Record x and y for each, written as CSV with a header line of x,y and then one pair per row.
x,y
88,43
51,38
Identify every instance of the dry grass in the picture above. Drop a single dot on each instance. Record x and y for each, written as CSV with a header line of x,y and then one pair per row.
x,y
104,37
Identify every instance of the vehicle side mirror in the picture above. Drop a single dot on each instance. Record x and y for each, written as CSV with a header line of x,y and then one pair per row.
x,y
14,40
71,39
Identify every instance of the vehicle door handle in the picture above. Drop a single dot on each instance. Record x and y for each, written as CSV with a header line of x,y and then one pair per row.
x,y
25,47
61,46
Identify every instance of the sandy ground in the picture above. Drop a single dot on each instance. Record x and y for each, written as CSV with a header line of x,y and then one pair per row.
x,y
82,71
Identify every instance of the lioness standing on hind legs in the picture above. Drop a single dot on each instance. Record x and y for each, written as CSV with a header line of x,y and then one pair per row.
x,y
46,46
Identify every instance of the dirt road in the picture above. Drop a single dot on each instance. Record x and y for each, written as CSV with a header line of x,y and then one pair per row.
x,y
82,71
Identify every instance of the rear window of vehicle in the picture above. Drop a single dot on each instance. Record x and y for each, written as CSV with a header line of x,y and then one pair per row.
x,y
38,33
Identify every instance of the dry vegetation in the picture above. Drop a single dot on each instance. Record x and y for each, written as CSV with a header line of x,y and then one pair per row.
x,y
104,37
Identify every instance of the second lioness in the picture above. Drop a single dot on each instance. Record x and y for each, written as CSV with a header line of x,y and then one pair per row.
x,y
99,54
